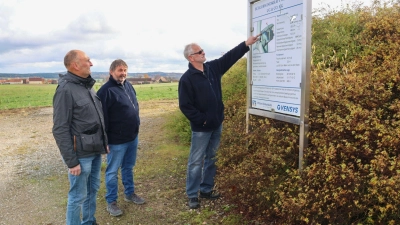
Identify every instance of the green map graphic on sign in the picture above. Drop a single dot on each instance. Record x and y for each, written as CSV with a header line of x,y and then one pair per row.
x,y
267,35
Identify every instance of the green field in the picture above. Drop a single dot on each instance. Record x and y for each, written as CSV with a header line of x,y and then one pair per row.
x,y
146,92
31,95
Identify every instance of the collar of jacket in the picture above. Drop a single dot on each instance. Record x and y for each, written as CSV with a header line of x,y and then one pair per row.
x,y
73,78
111,79
193,70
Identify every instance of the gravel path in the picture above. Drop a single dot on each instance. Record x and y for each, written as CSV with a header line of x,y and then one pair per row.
x,y
30,161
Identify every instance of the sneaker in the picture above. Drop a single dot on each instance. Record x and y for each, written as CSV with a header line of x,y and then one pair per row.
x,y
210,195
113,209
194,203
135,199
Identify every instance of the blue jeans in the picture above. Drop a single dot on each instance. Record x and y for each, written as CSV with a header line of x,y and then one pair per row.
x,y
121,156
201,167
83,192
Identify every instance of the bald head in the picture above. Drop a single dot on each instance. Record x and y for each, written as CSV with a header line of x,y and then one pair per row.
x,y
78,63
70,57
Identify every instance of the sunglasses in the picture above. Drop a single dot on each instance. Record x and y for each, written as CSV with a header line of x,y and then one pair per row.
x,y
199,52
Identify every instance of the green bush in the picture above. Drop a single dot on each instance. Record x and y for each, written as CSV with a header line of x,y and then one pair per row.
x,y
352,172
180,127
233,80
335,37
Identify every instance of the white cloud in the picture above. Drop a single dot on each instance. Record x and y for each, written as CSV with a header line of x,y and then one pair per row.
x,y
148,35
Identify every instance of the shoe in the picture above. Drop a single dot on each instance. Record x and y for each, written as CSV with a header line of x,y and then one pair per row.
x,y
135,199
210,195
113,209
194,203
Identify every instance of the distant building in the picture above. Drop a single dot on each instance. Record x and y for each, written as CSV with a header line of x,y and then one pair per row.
x,y
53,81
36,80
139,80
14,81
161,80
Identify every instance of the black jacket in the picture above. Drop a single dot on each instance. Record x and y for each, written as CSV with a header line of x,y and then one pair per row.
x,y
121,111
78,123
200,94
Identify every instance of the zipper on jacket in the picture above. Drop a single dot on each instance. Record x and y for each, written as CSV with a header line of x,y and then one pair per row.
x,y
207,78
123,87
212,89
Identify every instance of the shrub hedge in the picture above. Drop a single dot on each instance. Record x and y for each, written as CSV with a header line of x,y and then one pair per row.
x,y
352,172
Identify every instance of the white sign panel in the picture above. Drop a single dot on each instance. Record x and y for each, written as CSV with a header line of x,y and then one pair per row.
x,y
277,56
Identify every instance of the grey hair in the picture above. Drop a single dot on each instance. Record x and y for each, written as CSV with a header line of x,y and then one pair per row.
x,y
188,50
116,63
70,57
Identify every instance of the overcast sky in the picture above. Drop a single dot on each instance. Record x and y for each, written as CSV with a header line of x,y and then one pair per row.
x,y
149,35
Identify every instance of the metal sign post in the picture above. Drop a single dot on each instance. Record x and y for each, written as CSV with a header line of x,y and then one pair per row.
x,y
278,65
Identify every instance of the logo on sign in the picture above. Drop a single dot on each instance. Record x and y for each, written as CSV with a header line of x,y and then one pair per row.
x,y
286,108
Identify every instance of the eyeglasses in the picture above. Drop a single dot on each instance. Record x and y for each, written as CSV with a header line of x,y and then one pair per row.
x,y
199,52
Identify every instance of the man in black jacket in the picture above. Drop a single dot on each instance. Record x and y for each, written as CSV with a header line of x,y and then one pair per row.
x,y
80,135
200,100
121,116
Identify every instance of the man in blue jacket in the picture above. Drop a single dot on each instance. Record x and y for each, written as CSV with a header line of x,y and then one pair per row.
x,y
80,135
121,118
200,100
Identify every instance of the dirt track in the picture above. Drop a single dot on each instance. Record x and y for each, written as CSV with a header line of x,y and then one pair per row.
x,y
30,163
